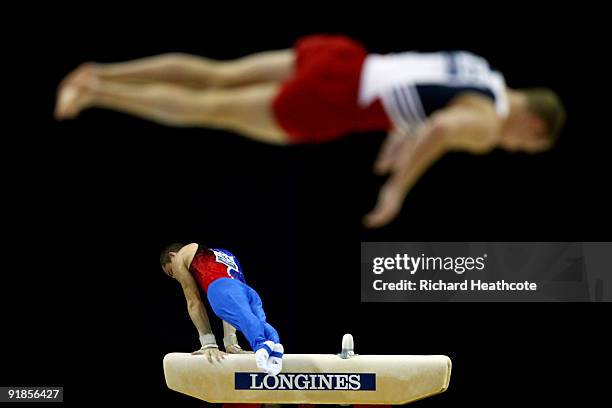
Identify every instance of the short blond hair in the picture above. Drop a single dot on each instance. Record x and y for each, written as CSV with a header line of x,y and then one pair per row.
x,y
547,105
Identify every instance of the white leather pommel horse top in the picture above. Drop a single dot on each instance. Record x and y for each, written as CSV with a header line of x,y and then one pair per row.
x,y
344,378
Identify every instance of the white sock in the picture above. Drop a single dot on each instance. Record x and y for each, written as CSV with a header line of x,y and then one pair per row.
x,y
275,363
262,356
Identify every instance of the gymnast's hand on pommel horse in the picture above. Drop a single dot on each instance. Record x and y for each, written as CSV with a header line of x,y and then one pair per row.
x,y
209,348
327,87
218,273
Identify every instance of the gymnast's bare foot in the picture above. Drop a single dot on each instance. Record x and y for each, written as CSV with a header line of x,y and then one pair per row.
x,y
74,93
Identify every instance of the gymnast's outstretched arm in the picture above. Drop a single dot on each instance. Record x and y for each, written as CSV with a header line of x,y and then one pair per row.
x,y
470,125
394,143
198,315
408,166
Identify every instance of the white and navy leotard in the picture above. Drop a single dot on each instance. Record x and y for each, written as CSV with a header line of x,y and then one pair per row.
x,y
412,85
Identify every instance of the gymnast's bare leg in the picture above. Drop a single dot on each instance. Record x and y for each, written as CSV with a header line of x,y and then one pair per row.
x,y
200,72
184,90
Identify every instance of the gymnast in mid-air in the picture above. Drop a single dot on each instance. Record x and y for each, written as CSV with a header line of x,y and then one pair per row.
x,y
218,273
326,87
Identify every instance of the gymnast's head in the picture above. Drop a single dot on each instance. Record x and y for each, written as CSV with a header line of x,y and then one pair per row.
x,y
166,257
535,121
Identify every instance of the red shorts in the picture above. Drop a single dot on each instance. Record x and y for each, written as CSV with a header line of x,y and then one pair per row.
x,y
319,102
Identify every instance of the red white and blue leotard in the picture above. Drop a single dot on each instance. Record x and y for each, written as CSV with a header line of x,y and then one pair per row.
x,y
210,264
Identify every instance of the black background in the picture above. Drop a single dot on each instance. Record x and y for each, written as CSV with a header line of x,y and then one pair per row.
x,y
89,204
